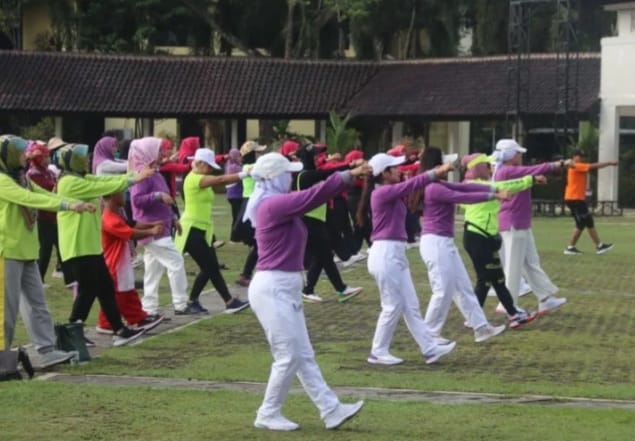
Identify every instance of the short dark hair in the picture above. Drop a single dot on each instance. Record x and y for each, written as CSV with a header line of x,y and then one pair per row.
x,y
578,152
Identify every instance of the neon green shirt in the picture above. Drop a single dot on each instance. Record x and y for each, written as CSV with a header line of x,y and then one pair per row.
x,y
485,214
80,233
248,182
198,209
18,228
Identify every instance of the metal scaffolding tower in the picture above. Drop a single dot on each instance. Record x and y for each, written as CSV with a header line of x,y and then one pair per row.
x,y
565,46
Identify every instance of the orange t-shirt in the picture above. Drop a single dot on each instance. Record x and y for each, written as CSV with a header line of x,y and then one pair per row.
x,y
576,182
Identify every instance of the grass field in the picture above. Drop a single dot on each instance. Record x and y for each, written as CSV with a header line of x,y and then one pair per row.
x,y
583,350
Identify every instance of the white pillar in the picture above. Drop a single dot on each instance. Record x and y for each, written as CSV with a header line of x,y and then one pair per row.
x,y
609,150
58,127
147,126
458,141
322,136
234,133
397,132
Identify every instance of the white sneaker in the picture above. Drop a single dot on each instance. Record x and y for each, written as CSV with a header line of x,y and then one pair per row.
x,y
550,303
312,298
359,256
348,293
57,274
524,288
55,356
218,244
341,414
411,245
277,422
500,309
336,259
440,351
388,359
441,341
486,332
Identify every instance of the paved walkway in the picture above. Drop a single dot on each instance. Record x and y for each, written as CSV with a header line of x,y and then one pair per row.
x,y
438,397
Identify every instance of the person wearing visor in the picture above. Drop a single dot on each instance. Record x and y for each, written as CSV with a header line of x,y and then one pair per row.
x,y
514,219
19,251
384,194
80,237
197,230
482,240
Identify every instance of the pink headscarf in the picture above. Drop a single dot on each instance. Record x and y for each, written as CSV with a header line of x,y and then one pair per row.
x,y
143,152
103,151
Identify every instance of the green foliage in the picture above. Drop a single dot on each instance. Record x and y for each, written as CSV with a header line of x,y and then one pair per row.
x,y
42,130
339,137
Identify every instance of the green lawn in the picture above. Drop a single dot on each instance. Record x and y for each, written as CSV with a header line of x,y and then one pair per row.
x,y
584,350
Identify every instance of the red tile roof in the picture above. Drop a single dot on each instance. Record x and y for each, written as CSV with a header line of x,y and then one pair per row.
x,y
175,86
468,87
161,86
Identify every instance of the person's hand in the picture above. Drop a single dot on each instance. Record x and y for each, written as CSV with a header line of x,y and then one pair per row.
x,y
145,173
334,157
502,194
179,229
362,170
540,179
156,229
443,170
80,207
167,199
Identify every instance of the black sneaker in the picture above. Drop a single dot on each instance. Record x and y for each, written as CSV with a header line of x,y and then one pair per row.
x,y
89,343
603,248
188,310
196,305
126,335
572,251
236,305
150,322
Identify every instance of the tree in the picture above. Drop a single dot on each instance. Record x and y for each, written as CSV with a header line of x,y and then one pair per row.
x,y
339,137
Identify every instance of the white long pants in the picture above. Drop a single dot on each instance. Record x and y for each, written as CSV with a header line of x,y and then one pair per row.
x,y
449,281
161,255
388,264
276,299
521,258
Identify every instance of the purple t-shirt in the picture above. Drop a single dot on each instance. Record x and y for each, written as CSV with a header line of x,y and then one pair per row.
x,y
516,212
389,208
280,231
235,190
147,208
440,201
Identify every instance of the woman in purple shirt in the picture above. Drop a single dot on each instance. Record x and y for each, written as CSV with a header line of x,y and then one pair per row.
x,y
520,256
447,274
275,292
387,261
152,202
235,190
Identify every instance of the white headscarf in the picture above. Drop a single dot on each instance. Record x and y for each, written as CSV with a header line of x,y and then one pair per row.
x,y
264,189
501,157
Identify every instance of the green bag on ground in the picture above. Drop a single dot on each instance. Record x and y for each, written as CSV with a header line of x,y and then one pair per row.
x,y
70,337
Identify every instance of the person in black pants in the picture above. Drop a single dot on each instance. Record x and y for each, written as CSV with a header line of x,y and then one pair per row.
x,y
319,253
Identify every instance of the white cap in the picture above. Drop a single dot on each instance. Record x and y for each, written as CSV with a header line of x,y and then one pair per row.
x,y
272,165
381,161
509,145
207,156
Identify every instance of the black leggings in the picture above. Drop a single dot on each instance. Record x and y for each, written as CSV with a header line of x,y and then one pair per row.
x,y
250,261
47,234
484,254
319,256
94,280
205,257
235,206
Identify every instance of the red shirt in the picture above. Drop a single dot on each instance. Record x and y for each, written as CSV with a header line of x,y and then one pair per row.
x,y
115,240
